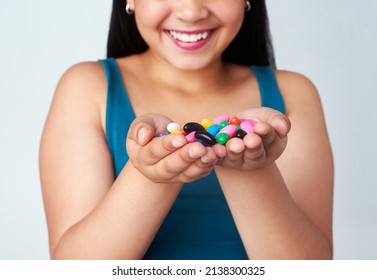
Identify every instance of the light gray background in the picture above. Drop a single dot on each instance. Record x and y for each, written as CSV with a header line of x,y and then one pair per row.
x,y
332,42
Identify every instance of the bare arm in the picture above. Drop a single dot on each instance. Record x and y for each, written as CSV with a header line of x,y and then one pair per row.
x,y
89,215
283,209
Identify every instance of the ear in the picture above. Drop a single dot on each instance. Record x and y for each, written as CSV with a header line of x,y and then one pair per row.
x,y
131,3
130,7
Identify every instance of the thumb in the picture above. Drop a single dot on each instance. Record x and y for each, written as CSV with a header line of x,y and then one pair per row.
x,y
281,124
144,128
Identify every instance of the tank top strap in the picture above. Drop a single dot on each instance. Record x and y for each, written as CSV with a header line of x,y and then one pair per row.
x,y
269,90
119,114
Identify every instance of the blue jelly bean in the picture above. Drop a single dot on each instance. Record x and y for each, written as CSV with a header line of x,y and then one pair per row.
x,y
213,129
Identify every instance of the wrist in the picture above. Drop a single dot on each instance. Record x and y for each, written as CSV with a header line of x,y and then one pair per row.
x,y
232,178
140,178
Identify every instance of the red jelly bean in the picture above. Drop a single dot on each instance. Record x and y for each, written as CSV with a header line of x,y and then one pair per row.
x,y
235,121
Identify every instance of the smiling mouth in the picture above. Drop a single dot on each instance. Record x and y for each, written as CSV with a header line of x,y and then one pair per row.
x,y
189,37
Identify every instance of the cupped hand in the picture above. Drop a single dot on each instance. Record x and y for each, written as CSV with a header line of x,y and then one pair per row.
x,y
261,148
167,159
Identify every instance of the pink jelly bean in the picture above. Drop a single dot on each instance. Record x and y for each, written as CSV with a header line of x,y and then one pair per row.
x,y
251,122
191,137
247,127
230,130
220,119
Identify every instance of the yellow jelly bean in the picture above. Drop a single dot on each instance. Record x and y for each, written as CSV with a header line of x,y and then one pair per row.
x,y
206,123
177,131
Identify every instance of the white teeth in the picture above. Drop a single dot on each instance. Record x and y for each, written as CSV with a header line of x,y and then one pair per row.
x,y
189,38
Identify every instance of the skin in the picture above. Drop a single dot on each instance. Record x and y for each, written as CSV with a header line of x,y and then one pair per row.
x,y
277,182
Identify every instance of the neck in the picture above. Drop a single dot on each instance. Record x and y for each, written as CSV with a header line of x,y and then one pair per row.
x,y
187,81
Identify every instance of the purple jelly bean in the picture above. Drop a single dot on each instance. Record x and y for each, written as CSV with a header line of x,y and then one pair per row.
x,y
160,134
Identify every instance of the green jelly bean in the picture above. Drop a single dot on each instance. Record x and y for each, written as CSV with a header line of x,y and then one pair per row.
x,y
223,124
222,138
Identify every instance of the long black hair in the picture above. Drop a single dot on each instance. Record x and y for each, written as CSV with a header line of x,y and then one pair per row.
x,y
251,46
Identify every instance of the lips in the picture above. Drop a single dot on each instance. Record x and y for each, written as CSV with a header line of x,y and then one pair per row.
x,y
190,40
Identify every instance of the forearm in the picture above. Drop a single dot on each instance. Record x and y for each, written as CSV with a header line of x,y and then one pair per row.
x,y
269,221
124,224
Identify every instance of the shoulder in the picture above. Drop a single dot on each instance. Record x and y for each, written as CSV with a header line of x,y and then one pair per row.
x,y
81,92
83,75
298,91
85,80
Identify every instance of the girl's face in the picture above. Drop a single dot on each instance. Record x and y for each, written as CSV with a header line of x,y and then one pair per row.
x,y
188,34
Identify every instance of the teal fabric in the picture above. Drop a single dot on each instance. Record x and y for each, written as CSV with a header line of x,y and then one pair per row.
x,y
199,225
268,87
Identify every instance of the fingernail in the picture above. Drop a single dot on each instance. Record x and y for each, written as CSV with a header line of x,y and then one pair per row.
x,y
192,153
177,143
142,134
205,159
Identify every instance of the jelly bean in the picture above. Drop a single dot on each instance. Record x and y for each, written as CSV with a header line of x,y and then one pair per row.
x,y
222,138
251,122
173,126
219,119
230,130
240,133
191,137
235,120
223,124
193,126
205,137
177,131
201,142
206,123
213,129
160,134
247,127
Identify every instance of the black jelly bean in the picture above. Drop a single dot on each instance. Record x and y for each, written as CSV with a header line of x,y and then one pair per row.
x,y
241,133
193,126
201,142
205,137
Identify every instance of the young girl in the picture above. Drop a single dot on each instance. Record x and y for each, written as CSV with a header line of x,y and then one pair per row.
x,y
113,190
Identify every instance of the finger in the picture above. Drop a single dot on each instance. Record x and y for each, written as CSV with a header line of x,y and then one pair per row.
x,y
278,120
266,132
254,148
161,147
201,167
180,160
235,147
281,124
144,128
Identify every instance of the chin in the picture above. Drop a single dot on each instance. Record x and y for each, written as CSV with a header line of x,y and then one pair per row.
x,y
191,64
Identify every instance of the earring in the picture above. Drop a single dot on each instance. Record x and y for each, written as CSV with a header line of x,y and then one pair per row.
x,y
128,9
247,6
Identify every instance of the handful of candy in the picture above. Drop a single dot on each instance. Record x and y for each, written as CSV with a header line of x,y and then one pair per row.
x,y
209,132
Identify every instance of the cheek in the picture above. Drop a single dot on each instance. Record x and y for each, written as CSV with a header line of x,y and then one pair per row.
x,y
149,14
233,23
234,19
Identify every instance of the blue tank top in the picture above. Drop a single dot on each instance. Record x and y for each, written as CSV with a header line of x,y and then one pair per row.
x,y
199,224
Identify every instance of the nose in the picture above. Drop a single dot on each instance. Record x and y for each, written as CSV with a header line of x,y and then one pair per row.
x,y
191,10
